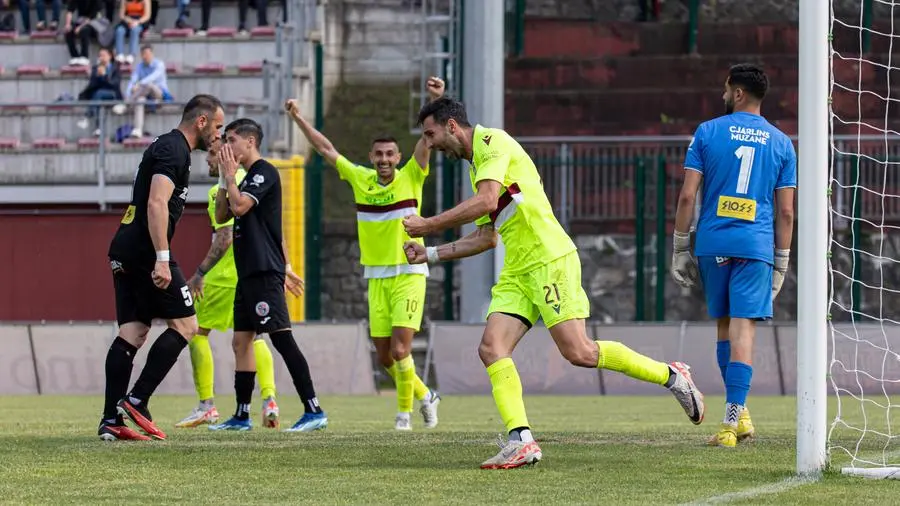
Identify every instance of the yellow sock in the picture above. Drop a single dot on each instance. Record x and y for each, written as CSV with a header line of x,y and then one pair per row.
x,y
507,390
406,370
265,368
420,390
620,358
202,364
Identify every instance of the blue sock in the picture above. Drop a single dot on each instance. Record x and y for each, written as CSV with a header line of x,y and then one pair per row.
x,y
737,383
723,355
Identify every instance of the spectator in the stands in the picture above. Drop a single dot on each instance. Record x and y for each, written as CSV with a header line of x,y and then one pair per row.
x,y
148,82
105,84
154,11
134,15
41,8
84,26
183,14
261,7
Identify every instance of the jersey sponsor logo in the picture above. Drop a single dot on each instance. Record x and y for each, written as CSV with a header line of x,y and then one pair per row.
x,y
737,208
128,217
262,308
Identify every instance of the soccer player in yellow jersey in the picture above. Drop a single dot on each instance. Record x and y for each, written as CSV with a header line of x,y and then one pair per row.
x,y
213,287
384,195
541,276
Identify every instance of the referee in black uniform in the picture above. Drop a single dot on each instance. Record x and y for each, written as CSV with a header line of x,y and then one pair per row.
x,y
263,272
148,283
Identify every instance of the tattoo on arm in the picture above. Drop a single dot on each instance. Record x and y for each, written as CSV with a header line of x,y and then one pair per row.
x,y
221,243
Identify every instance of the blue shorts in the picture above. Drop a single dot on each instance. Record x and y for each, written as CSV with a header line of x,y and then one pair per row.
x,y
737,287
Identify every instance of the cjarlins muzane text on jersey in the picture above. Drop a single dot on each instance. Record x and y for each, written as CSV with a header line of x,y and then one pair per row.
x,y
169,155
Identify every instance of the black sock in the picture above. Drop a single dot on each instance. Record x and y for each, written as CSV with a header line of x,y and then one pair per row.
x,y
119,360
243,391
284,342
162,356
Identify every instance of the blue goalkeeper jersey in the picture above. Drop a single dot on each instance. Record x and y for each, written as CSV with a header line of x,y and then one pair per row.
x,y
743,159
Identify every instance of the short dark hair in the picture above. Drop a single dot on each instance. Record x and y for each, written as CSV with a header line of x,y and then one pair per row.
x,y
108,49
443,110
385,138
246,127
750,78
146,47
200,105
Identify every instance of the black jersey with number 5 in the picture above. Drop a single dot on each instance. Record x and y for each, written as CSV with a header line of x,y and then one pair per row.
x,y
169,155
257,234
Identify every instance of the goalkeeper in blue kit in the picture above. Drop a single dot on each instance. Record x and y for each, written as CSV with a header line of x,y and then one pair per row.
x,y
748,170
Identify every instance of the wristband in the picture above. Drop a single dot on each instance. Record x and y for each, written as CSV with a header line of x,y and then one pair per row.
x,y
782,257
287,268
432,253
222,183
162,255
681,241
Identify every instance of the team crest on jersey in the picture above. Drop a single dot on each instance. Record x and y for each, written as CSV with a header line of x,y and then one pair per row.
x,y
262,308
258,179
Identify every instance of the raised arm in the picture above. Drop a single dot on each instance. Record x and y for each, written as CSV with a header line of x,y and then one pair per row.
x,y
318,141
422,153
479,241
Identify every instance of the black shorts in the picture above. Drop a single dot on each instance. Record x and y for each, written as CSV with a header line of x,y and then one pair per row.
x,y
260,305
139,300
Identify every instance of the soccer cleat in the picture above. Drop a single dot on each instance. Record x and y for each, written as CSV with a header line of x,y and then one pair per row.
x,y
140,415
690,398
310,422
198,417
119,432
233,423
745,429
726,437
514,454
402,422
429,409
270,413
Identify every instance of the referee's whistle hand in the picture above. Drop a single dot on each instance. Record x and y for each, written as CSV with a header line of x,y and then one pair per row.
x,y
162,276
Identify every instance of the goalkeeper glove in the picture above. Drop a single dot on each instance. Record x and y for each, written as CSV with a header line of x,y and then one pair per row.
x,y
684,268
782,257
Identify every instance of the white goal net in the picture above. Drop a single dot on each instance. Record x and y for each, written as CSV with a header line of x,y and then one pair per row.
x,y
864,246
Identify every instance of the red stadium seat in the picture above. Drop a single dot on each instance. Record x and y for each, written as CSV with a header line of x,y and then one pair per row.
x,y
251,68
140,142
9,143
60,107
263,31
48,143
32,70
221,31
177,33
209,68
171,68
14,108
44,35
89,143
8,35
75,70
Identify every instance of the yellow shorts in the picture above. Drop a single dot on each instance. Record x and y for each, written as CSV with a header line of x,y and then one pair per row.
x,y
396,302
552,292
216,309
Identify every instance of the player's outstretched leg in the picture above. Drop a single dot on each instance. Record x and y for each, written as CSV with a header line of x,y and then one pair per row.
x,y
244,378
313,417
119,362
203,365
500,337
265,369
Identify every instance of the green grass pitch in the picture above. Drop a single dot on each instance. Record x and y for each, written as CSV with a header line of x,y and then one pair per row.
x,y
597,450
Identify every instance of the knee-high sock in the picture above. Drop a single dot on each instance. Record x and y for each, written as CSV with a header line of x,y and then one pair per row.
x,y
284,342
737,386
162,356
265,368
617,357
203,366
243,393
507,391
119,361
406,370
723,356
420,390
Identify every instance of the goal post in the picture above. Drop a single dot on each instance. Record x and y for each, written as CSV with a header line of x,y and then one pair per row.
x,y
813,234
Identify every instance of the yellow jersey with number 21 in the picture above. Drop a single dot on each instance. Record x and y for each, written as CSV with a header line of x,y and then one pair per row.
x,y
524,218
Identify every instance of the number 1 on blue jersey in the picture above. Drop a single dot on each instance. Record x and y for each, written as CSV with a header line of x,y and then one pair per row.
x,y
745,154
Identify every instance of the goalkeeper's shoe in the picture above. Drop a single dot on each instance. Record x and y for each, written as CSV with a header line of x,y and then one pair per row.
x,y
199,416
140,415
402,422
233,423
514,454
687,393
270,413
745,430
118,431
429,409
310,422
726,437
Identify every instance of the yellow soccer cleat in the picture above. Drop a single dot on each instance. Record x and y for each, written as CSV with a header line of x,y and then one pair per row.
x,y
726,437
745,430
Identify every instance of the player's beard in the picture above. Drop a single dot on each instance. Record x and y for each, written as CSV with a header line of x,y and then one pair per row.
x,y
729,106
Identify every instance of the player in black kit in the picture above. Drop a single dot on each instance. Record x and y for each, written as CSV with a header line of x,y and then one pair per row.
x,y
148,282
263,273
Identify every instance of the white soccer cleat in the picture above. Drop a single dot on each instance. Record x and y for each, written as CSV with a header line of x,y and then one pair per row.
x,y
198,417
429,409
270,413
687,394
514,454
402,422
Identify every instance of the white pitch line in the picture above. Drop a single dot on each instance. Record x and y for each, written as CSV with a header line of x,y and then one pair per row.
x,y
750,493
